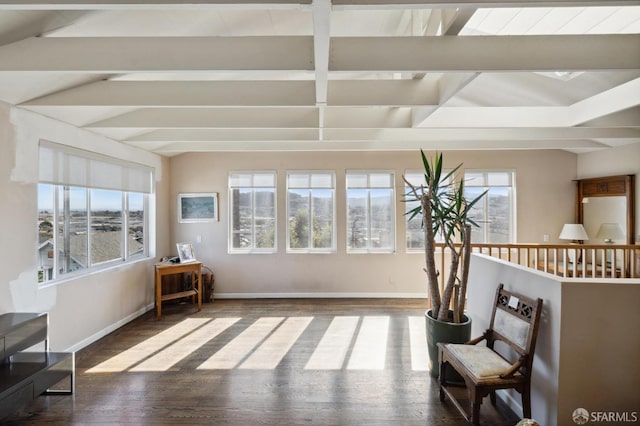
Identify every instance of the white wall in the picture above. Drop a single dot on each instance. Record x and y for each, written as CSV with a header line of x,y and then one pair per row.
x,y
82,309
587,349
544,178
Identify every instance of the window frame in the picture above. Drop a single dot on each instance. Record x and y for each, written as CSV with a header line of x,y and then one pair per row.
x,y
485,200
63,166
310,188
92,267
252,250
439,237
393,236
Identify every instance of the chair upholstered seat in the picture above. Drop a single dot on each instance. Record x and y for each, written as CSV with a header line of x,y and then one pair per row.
x,y
479,360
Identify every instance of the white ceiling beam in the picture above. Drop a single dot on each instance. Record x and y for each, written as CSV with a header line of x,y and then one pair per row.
x,y
625,118
173,94
367,118
321,10
613,100
448,85
274,135
368,145
287,118
390,54
486,134
486,53
204,118
148,4
279,4
240,135
158,54
499,117
321,34
183,94
428,4
382,92
603,104
455,19
349,123
433,24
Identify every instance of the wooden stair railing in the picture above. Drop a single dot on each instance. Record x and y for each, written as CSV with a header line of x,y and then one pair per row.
x,y
586,261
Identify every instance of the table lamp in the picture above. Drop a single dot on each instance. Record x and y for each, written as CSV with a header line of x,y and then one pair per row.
x,y
610,231
576,233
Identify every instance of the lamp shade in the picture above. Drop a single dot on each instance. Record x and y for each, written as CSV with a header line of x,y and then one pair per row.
x,y
573,231
610,232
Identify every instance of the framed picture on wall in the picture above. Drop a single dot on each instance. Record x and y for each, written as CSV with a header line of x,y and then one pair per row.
x,y
185,252
198,207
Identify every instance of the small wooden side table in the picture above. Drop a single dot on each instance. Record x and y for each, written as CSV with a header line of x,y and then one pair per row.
x,y
167,268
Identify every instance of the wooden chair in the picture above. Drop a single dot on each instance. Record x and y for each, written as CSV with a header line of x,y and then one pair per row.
x,y
514,321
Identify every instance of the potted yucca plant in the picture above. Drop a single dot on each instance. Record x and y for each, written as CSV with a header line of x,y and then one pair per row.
x,y
445,213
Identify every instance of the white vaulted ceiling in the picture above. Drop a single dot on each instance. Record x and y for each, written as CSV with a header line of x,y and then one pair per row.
x,y
175,76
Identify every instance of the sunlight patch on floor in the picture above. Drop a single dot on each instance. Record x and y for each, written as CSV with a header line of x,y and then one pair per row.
x,y
418,343
271,352
179,350
334,345
351,342
370,350
236,350
147,348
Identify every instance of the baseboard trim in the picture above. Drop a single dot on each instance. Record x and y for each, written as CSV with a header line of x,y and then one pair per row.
x,y
111,328
511,402
319,296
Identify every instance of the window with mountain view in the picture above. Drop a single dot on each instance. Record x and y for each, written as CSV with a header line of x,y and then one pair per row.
x,y
495,212
252,199
311,212
370,212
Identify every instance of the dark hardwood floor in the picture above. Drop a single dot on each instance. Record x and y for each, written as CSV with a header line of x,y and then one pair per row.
x,y
263,362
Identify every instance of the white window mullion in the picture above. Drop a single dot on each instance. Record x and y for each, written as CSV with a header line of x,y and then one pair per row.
x,y
56,229
89,236
253,219
368,219
124,254
310,245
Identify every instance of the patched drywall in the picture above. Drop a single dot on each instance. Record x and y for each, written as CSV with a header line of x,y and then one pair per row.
x,y
87,306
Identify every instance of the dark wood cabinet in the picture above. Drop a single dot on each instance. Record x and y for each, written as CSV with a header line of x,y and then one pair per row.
x,y
26,375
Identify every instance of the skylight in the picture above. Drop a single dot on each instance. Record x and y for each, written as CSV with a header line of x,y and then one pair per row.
x,y
546,21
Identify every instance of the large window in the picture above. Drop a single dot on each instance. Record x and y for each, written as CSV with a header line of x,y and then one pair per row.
x,y
311,212
414,237
370,212
252,207
91,211
495,212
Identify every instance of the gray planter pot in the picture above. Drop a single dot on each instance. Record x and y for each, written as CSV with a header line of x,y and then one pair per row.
x,y
445,332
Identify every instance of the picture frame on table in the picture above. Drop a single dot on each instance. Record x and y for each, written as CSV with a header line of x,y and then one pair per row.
x,y
198,207
185,252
